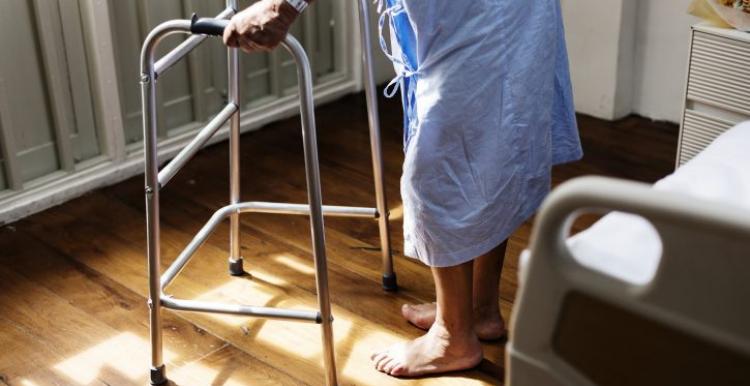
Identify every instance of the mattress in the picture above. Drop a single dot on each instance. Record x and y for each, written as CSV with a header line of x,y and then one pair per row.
x,y
627,247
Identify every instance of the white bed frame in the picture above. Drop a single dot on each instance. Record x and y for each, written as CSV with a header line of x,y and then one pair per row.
x,y
701,287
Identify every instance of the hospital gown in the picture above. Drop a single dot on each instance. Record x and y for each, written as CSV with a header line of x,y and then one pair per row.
x,y
488,110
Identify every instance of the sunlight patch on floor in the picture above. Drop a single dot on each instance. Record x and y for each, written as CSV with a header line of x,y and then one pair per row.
x,y
396,213
198,374
295,264
125,353
302,340
263,292
362,346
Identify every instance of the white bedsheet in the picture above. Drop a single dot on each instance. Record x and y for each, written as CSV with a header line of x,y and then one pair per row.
x,y
628,247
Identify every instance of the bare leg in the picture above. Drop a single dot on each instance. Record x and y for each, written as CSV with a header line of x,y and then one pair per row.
x,y
450,344
488,323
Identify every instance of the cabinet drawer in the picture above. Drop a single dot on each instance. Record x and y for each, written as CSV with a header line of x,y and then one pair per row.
x,y
698,131
719,72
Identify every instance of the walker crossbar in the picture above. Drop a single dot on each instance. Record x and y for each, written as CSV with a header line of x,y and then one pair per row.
x,y
248,207
156,180
237,309
174,56
196,144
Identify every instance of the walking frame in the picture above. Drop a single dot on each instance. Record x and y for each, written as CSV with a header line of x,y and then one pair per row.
x,y
151,69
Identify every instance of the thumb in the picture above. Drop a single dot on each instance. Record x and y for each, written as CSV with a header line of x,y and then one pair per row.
x,y
230,35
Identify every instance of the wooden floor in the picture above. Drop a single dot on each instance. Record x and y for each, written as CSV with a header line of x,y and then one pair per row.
x,y
73,278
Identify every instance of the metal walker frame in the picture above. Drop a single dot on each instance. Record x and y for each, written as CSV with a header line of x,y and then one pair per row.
x,y
151,69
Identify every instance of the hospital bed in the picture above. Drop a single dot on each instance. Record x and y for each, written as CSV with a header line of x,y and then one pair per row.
x,y
655,293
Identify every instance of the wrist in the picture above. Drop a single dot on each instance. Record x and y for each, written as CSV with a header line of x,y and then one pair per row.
x,y
293,6
284,11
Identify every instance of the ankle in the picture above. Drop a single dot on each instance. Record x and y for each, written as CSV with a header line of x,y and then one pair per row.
x,y
453,332
485,312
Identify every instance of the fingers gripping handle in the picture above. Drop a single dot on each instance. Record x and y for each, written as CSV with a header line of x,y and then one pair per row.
x,y
207,26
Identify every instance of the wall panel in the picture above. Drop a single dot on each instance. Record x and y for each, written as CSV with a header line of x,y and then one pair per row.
x,y
85,142
195,89
27,116
48,119
70,109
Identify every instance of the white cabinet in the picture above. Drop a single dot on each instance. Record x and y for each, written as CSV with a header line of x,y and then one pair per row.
x,y
718,87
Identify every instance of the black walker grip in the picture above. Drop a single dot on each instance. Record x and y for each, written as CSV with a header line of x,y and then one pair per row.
x,y
207,26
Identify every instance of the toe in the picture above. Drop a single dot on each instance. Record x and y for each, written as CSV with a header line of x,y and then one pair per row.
x,y
377,354
380,365
377,357
398,371
392,364
384,364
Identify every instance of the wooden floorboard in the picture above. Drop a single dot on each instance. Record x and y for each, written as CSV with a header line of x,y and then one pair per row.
x,y
73,278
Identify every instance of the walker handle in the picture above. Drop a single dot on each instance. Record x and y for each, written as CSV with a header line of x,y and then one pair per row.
x,y
207,26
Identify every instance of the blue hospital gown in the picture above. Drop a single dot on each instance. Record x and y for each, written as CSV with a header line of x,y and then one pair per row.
x,y
488,110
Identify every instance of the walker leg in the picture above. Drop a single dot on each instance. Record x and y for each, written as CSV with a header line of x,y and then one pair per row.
x,y
321,281
235,256
148,89
389,276
314,197
158,376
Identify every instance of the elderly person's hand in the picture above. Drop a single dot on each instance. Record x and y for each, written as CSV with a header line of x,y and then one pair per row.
x,y
260,27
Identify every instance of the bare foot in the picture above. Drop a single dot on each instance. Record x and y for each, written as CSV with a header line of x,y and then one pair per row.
x,y
420,315
435,352
487,325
